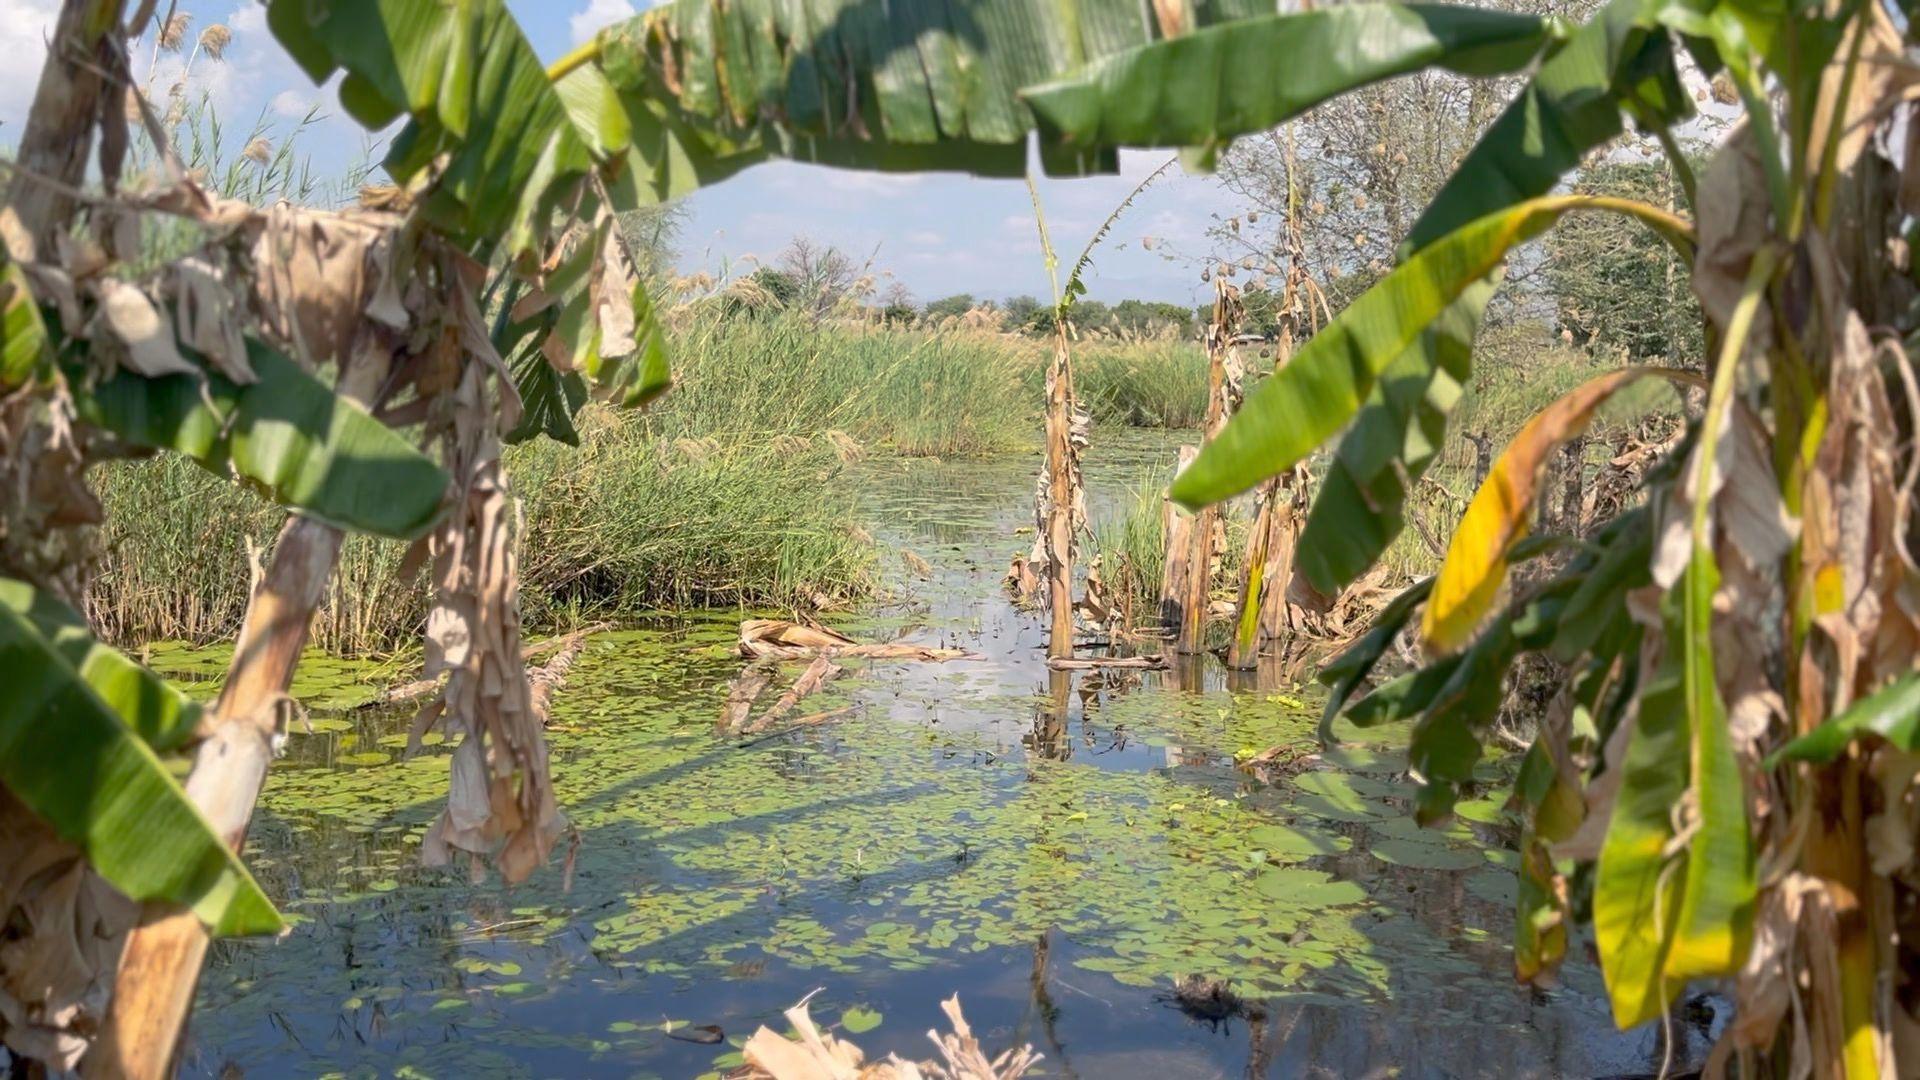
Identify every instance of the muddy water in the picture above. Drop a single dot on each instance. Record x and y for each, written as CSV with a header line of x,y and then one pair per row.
x,y
1064,853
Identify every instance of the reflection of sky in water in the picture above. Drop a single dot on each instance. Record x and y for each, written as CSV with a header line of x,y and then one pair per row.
x,y
1058,851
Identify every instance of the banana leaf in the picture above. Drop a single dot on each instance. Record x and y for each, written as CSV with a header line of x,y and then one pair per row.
x,y
476,95
1290,414
1617,61
160,715
1891,713
1203,89
1359,509
288,435
70,758
712,87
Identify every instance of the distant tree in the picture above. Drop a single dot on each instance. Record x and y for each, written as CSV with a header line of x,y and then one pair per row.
x,y
1623,288
778,284
1092,315
823,276
1020,311
955,305
1144,317
897,306
1260,312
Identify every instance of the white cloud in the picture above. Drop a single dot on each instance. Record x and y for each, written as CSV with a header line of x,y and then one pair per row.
x,y
598,14
924,238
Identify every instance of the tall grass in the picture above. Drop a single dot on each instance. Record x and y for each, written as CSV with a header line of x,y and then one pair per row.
x,y
731,490
752,379
627,523
1132,548
1155,383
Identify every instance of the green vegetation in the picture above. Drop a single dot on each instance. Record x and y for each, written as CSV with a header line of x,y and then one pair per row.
x,y
1158,382
730,490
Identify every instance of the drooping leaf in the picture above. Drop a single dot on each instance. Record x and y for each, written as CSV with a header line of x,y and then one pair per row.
x,y
68,756
1344,673
289,435
1405,696
1476,565
1617,61
1716,900
160,715
1600,602
639,377
1359,508
477,96
1891,713
1658,924
712,87
1300,406
1203,89
1447,738
548,397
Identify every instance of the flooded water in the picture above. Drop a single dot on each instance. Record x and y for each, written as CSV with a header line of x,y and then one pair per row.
x,y
1065,853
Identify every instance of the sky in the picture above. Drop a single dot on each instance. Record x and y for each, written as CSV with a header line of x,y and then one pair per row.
x,y
938,234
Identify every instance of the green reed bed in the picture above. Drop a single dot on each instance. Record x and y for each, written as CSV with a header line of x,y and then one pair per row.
x,y
1155,383
753,378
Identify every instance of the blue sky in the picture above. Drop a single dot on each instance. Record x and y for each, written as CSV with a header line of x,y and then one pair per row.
x,y
938,234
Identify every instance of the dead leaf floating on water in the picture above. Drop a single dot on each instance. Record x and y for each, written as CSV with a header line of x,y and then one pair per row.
x,y
779,639
813,1054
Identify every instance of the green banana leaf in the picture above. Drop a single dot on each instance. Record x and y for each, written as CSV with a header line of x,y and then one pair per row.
x,y
1655,927
289,435
23,349
1408,696
515,143
712,87
68,756
161,716
1290,414
475,92
1359,509
1891,713
1446,739
1617,61
1572,105
1203,89
549,398
1344,673
1600,601
1717,898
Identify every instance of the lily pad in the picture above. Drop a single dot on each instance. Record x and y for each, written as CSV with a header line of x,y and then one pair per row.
x,y
1424,856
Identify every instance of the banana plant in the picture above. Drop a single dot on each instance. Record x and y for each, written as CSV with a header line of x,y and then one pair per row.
x,y
1726,787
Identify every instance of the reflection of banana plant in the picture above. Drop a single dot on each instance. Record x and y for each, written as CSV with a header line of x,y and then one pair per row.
x,y
1778,539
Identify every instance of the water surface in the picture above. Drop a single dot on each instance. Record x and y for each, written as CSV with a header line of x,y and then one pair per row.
x,y
1063,852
